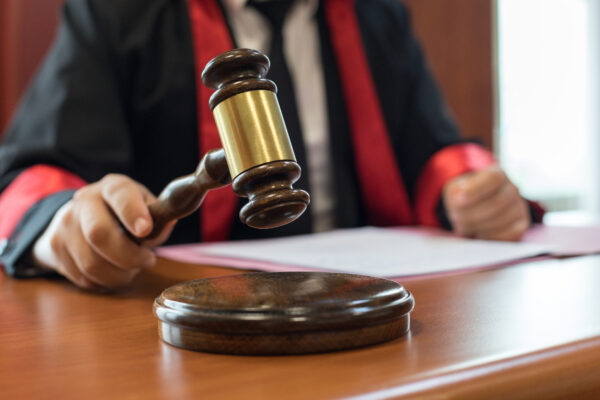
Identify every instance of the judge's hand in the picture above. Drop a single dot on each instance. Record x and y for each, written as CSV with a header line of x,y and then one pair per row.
x,y
486,205
86,241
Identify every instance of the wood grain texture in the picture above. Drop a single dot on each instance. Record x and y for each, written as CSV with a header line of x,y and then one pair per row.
x,y
184,195
236,71
272,200
527,331
457,36
282,313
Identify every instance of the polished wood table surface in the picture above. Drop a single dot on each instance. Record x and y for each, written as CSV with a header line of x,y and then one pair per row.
x,y
526,331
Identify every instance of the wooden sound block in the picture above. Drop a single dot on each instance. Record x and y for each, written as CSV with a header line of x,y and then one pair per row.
x,y
283,313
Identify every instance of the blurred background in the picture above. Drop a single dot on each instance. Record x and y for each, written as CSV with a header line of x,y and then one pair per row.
x,y
520,76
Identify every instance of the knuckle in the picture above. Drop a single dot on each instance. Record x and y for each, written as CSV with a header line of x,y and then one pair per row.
x,y
97,235
56,244
514,191
111,178
499,177
78,194
143,261
454,197
522,226
113,181
82,194
112,184
88,266
516,232
505,201
451,187
66,219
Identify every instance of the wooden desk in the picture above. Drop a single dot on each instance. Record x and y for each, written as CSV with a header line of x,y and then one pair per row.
x,y
529,331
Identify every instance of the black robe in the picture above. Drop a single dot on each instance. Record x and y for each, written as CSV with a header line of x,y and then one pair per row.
x,y
117,94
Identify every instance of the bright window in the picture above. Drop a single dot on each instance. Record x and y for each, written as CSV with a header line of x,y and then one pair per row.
x,y
548,100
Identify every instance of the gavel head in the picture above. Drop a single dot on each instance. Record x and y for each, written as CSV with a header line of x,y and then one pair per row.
x,y
255,139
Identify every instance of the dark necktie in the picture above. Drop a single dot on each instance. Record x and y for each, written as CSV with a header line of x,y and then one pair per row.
x,y
275,11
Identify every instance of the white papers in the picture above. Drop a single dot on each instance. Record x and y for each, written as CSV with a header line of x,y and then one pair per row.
x,y
566,240
370,251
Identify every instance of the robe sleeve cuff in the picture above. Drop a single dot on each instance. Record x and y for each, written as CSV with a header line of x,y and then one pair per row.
x,y
14,250
26,207
29,187
536,211
443,166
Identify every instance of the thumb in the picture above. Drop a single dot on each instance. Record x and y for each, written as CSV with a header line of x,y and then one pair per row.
x,y
127,199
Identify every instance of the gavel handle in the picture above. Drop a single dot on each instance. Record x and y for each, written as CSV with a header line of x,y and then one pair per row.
x,y
184,195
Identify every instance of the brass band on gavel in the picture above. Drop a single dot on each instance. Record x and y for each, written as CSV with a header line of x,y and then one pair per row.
x,y
252,130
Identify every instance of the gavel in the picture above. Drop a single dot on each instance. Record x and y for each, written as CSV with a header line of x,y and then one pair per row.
x,y
257,156
264,313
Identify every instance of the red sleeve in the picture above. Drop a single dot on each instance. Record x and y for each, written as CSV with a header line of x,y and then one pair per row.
x,y
444,165
29,187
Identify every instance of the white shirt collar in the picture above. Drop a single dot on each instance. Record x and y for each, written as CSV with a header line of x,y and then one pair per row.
x,y
237,5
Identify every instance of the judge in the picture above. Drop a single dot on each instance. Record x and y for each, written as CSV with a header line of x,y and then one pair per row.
x,y
118,110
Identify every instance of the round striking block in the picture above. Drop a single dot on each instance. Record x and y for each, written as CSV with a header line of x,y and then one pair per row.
x,y
283,313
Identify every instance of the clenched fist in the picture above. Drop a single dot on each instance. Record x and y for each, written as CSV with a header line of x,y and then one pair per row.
x,y
86,240
486,205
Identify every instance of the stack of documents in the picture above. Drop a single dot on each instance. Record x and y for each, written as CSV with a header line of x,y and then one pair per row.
x,y
394,252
